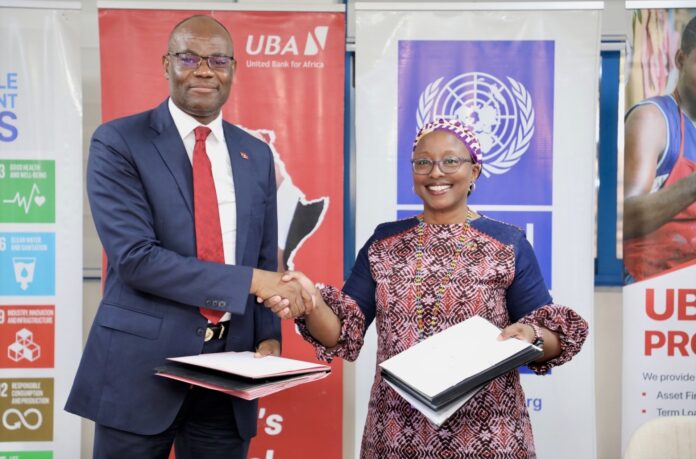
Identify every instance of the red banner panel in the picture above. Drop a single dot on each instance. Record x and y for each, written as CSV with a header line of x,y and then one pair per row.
x,y
288,90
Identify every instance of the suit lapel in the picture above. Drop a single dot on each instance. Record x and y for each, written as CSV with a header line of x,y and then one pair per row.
x,y
171,148
243,174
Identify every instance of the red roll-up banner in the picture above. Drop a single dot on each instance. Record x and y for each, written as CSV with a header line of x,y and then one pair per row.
x,y
288,90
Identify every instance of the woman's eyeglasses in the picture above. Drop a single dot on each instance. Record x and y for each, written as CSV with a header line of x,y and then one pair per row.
x,y
448,165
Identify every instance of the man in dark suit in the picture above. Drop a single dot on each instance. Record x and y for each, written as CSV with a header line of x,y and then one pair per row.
x,y
185,207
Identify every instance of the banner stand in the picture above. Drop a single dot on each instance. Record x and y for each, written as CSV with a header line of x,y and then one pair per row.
x,y
416,62
40,227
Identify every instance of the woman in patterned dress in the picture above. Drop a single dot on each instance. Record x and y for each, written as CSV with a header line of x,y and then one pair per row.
x,y
421,275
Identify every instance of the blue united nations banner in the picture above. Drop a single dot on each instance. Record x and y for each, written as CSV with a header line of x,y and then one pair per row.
x,y
503,91
524,78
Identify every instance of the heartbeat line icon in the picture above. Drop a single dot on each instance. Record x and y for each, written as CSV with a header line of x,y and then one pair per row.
x,y
25,203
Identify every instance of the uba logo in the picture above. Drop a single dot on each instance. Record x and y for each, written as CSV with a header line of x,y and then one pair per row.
x,y
273,45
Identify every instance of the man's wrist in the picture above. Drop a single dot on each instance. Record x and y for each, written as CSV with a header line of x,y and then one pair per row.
x,y
254,280
257,280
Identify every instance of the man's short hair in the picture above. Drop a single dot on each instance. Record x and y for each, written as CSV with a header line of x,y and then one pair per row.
x,y
196,16
688,38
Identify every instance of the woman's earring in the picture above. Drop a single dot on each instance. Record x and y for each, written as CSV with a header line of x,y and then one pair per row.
x,y
472,187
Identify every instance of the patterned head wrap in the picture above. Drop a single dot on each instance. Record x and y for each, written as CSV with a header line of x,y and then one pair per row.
x,y
457,128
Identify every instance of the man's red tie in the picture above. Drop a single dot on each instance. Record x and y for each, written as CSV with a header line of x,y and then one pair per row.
x,y
206,212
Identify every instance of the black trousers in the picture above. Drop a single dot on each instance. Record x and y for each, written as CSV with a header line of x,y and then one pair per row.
x,y
204,428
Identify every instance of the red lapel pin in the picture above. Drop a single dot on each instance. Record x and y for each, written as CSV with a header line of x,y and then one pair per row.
x,y
243,155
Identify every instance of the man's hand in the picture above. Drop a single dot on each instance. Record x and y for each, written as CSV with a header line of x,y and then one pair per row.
x,y
321,321
266,284
281,306
304,281
268,347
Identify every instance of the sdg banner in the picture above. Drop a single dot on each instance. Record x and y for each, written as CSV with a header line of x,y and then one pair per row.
x,y
288,91
40,228
511,77
659,298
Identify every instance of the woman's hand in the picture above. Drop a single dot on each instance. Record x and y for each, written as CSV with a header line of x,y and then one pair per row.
x,y
281,306
323,324
304,281
520,331
525,332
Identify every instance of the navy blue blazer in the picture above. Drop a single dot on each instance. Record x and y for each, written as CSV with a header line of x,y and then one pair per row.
x,y
139,183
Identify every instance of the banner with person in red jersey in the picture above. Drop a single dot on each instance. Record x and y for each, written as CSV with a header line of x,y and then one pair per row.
x,y
288,91
659,220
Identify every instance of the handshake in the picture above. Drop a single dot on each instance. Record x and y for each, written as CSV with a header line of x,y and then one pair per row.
x,y
288,295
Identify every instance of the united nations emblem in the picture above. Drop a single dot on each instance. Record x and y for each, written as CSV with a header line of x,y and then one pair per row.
x,y
501,115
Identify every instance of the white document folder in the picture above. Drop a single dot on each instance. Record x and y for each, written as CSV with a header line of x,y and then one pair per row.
x,y
450,365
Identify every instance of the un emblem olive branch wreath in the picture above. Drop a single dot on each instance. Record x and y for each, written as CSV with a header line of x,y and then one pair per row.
x,y
426,102
518,145
525,131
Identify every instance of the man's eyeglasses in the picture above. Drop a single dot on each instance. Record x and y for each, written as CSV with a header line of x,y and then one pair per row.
x,y
191,61
448,165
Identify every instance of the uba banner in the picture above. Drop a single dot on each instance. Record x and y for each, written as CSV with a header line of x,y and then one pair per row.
x,y
288,91
659,223
659,376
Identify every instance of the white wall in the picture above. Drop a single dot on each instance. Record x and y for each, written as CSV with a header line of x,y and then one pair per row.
x,y
608,334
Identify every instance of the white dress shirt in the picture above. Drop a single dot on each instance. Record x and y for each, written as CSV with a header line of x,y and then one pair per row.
x,y
219,157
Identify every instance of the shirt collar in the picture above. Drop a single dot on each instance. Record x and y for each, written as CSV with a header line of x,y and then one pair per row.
x,y
185,123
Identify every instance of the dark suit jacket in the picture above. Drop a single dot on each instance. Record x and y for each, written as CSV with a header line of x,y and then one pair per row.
x,y
139,183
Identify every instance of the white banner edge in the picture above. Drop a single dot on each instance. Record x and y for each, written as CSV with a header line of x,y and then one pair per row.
x,y
41,4
484,6
644,4
220,6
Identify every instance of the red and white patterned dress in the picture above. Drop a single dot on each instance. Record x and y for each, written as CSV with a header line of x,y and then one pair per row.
x,y
496,277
